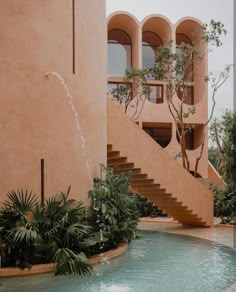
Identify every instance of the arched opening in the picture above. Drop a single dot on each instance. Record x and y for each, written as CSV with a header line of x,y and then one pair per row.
x,y
182,38
151,41
188,32
187,70
119,52
160,132
187,74
156,30
193,136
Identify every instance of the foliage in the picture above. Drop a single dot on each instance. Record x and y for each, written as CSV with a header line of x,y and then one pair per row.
x,y
63,231
214,158
132,97
113,212
32,234
225,205
70,263
177,70
146,208
223,150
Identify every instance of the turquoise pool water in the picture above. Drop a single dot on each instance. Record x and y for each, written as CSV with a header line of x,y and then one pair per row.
x,y
156,262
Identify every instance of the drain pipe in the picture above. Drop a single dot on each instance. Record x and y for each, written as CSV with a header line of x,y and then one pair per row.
x,y
42,182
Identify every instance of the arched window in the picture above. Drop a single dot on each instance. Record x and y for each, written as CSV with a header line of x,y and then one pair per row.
x,y
119,53
182,38
187,73
151,42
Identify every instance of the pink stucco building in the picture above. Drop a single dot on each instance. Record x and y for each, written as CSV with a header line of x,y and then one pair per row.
x,y
133,43
36,120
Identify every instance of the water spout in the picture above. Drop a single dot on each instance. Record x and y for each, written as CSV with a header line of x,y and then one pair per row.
x,y
76,116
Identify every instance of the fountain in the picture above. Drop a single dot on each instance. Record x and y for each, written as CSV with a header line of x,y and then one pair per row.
x,y
70,100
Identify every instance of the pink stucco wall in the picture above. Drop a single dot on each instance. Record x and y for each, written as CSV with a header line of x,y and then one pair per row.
x,y
36,120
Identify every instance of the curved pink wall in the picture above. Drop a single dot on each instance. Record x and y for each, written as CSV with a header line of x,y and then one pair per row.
x,y
36,120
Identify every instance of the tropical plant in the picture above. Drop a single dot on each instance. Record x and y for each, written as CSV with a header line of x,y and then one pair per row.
x,y
113,211
18,236
63,231
71,263
132,97
33,234
225,205
222,153
146,208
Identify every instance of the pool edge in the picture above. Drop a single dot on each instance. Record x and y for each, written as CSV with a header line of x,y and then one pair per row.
x,y
50,268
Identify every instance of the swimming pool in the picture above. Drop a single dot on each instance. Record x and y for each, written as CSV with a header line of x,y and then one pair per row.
x,y
155,262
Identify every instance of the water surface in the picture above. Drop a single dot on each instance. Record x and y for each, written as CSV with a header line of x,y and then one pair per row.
x,y
156,262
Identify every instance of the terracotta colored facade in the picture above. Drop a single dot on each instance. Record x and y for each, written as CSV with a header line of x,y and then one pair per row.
x,y
36,120
155,116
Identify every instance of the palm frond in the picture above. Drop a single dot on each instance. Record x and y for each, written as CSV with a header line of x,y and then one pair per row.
x,y
24,234
76,232
21,201
70,263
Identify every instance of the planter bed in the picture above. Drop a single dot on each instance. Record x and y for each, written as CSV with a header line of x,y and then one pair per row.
x,y
50,268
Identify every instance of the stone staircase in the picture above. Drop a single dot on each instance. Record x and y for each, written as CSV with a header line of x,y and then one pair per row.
x,y
156,175
147,187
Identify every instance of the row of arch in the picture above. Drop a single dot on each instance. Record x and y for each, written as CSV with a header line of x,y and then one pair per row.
x,y
120,44
133,43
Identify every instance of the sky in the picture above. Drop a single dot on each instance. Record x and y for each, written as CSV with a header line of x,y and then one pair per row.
x,y
205,10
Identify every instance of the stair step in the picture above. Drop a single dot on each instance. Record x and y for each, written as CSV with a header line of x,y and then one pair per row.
x,y
115,160
180,214
144,187
164,201
134,170
122,165
188,218
189,222
139,176
185,214
154,191
160,198
173,208
113,154
137,182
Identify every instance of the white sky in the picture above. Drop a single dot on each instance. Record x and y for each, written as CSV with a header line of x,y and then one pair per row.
x,y
205,10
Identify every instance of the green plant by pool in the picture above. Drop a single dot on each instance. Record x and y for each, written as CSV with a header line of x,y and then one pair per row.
x,y
155,262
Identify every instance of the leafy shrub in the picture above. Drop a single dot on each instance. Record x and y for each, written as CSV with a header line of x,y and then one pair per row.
x,y
32,234
113,211
63,231
146,208
225,205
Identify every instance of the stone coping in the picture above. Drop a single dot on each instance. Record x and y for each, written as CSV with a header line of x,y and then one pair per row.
x,y
50,268
157,220
226,226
